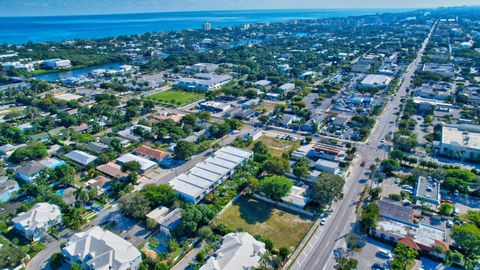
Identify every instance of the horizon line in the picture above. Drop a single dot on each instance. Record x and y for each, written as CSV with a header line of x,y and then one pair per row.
x,y
226,10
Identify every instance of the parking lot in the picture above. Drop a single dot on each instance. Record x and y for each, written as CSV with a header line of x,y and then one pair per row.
x,y
369,255
390,187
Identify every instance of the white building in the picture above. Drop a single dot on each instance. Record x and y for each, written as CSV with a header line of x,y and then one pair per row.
x,y
204,82
447,70
166,220
239,251
145,164
100,249
376,81
327,166
34,223
57,63
205,176
460,142
81,157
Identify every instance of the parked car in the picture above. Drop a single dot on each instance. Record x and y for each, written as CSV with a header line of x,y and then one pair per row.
x,y
323,221
384,253
377,266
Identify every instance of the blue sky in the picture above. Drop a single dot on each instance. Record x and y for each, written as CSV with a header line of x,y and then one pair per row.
x,y
69,7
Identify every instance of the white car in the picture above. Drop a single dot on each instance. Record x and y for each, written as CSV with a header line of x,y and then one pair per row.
x,y
384,253
323,221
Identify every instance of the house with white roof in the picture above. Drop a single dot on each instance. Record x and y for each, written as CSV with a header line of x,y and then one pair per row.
x,y
34,224
166,220
81,157
239,251
205,176
145,164
100,249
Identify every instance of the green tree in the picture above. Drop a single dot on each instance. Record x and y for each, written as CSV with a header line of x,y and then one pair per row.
x,y
283,252
159,194
375,193
473,217
56,261
446,209
390,165
276,165
75,266
172,244
135,205
404,257
275,187
34,150
183,150
131,166
467,237
370,216
327,188
346,264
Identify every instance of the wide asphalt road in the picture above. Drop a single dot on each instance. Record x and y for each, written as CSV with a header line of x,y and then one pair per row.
x,y
318,253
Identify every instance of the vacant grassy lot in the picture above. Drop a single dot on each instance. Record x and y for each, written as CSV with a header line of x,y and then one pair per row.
x,y
282,228
176,97
265,106
277,146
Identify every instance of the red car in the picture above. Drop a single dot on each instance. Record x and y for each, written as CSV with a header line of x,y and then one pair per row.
x,y
446,201
363,163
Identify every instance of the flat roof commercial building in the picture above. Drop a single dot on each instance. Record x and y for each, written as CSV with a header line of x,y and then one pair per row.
x,y
398,224
428,191
460,142
327,166
376,81
205,176
204,82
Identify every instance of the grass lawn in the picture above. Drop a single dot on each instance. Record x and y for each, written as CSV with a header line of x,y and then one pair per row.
x,y
277,146
176,97
265,107
282,228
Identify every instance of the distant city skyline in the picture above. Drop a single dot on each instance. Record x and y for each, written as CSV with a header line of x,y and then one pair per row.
x,y
89,7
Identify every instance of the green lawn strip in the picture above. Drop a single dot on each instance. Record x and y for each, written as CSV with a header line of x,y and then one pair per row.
x,y
176,97
284,229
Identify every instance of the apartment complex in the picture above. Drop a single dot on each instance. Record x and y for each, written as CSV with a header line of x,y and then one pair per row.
x,y
205,176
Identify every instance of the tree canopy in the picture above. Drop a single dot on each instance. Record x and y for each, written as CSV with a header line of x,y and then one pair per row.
x,y
275,187
327,188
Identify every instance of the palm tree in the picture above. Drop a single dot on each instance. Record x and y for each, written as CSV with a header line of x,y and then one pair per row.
x,y
82,195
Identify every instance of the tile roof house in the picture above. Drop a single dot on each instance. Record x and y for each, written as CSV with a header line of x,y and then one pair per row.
x,y
150,153
112,169
35,223
239,251
100,249
80,157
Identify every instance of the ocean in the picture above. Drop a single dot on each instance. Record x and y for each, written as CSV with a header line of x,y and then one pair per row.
x,y
20,30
